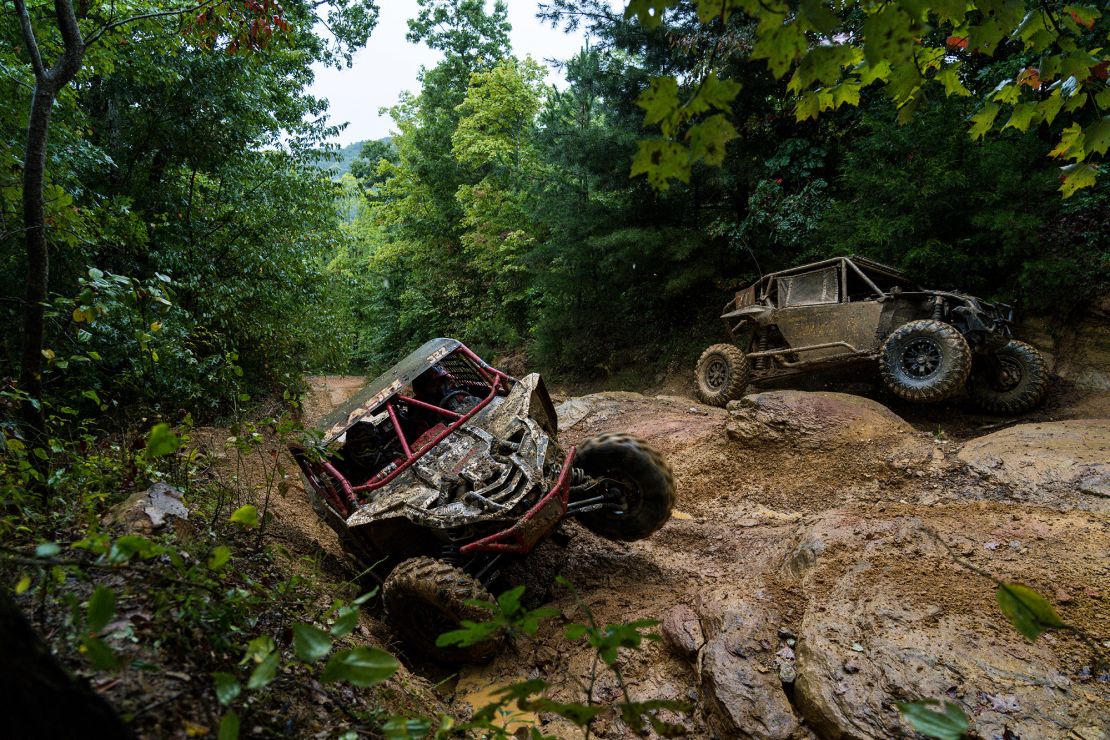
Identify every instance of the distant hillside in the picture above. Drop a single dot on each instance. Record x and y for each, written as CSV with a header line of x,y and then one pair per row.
x,y
347,155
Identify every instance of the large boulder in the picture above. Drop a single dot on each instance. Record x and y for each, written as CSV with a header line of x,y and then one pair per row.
x,y
1065,460
741,680
812,420
892,615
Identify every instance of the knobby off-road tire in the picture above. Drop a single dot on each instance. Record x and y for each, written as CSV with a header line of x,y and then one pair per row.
x,y
1025,387
425,597
722,374
925,361
643,474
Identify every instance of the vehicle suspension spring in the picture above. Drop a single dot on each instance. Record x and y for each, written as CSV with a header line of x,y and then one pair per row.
x,y
938,308
761,345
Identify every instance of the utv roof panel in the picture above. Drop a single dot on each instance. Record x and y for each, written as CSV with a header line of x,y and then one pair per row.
x,y
386,385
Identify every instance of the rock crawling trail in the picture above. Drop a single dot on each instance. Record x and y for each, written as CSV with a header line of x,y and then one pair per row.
x,y
815,571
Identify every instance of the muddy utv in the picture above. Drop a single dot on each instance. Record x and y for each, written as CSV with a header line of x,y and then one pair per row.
x,y
442,474
929,344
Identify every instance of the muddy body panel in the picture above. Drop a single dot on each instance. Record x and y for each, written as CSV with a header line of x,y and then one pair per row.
x,y
841,311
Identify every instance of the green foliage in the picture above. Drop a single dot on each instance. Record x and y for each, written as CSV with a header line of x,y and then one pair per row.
x,y
903,49
950,724
1027,610
245,516
362,666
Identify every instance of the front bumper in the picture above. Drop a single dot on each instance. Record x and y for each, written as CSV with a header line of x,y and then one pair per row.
x,y
522,536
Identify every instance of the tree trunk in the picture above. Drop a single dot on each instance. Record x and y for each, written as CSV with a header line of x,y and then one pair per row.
x,y
38,256
48,82
42,700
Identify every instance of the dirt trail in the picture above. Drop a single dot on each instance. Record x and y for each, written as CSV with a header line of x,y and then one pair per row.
x,y
816,570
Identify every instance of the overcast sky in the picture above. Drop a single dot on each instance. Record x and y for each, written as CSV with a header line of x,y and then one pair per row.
x,y
389,64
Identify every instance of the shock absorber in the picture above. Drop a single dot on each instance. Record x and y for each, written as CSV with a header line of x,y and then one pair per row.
x,y
938,308
762,341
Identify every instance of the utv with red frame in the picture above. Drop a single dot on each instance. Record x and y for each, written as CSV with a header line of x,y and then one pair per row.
x,y
929,344
442,494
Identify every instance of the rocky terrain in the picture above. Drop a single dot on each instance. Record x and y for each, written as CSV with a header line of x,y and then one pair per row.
x,y
822,562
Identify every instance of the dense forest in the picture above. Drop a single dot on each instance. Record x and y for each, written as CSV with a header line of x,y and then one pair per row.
x,y
198,258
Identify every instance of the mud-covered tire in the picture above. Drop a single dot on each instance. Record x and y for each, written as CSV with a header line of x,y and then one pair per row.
x,y
1025,387
425,597
722,374
925,361
642,472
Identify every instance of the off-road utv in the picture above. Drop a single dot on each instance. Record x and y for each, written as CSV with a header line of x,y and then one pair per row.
x,y
444,472
929,343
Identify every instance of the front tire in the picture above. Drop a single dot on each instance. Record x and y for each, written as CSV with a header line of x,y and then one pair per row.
x,y
723,372
925,361
642,478
1016,384
425,597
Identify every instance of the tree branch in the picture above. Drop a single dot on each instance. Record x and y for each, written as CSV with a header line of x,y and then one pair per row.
x,y
99,33
29,39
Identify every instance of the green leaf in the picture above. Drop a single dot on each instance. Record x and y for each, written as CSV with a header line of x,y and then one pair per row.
x,y
102,606
346,620
1077,177
47,549
575,631
648,12
161,442
265,671
661,161
23,585
1071,145
1096,137
362,666
228,688
709,138
130,545
229,727
983,121
819,17
953,85
407,728
1022,117
258,649
221,554
310,643
246,516
1029,612
660,103
949,725
102,657
716,93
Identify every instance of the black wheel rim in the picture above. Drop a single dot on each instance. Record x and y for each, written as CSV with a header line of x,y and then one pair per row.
x,y
625,495
921,358
716,374
1009,375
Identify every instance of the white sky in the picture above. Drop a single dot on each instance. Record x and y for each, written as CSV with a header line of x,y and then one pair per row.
x,y
389,65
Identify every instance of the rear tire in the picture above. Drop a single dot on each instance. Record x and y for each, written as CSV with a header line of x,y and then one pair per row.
x,y
925,361
644,477
1023,385
425,597
723,372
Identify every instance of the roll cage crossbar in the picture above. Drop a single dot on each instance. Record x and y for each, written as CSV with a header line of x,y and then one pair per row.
x,y
496,381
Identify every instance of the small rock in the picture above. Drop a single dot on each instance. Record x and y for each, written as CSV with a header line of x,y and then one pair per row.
x,y
786,634
787,673
682,630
